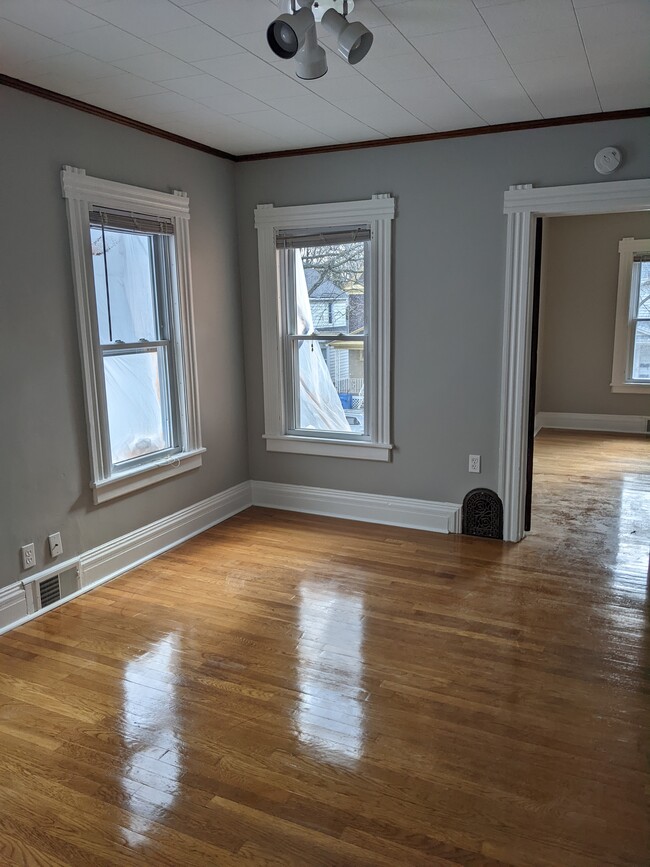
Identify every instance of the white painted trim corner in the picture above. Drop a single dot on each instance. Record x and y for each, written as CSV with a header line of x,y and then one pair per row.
x,y
374,508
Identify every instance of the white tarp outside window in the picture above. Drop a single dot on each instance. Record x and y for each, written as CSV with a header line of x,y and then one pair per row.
x,y
127,312
320,405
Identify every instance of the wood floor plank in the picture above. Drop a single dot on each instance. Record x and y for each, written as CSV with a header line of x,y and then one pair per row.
x,y
288,689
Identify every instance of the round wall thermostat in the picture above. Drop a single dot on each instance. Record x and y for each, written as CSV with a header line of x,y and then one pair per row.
x,y
607,160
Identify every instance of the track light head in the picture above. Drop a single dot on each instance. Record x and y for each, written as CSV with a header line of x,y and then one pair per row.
x,y
353,39
287,33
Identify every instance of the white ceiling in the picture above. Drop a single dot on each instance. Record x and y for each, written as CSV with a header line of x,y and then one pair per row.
x,y
202,68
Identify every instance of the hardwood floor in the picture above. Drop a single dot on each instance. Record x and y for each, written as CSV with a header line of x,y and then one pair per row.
x,y
288,689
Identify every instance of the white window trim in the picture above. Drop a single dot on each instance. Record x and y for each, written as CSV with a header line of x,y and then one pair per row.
x,y
82,193
622,360
378,212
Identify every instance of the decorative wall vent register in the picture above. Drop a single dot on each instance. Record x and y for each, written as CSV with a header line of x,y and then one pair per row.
x,y
483,514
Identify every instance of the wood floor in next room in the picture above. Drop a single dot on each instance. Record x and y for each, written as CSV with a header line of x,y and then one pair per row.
x,y
287,689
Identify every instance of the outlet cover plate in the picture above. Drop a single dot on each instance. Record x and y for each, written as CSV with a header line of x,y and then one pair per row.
x,y
28,555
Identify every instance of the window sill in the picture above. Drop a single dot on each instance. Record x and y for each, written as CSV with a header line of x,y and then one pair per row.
x,y
142,477
631,387
329,448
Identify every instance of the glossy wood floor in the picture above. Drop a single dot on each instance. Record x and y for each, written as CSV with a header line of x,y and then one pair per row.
x,y
289,689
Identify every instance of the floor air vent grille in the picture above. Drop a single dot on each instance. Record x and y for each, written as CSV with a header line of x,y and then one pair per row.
x,y
483,514
49,591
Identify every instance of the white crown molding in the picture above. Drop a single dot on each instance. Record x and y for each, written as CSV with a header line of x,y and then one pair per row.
x,y
77,185
374,508
599,198
590,421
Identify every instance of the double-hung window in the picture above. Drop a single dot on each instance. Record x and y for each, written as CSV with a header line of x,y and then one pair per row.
x,y
631,366
130,255
325,275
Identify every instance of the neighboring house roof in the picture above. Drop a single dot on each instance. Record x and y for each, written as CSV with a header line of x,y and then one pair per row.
x,y
327,291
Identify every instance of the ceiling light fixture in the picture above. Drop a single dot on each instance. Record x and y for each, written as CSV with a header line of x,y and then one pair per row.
x,y
293,34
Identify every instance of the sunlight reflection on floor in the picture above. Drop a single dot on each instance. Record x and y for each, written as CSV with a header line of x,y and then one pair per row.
x,y
150,730
330,716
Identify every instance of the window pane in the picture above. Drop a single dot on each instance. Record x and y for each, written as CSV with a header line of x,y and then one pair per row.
x,y
641,358
331,386
126,304
643,311
137,398
335,287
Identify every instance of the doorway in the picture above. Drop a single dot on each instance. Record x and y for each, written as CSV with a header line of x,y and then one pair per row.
x,y
523,204
588,461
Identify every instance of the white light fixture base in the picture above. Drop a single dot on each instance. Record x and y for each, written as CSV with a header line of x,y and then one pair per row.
x,y
320,7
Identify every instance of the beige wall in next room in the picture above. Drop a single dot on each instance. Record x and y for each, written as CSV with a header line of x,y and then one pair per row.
x,y
579,285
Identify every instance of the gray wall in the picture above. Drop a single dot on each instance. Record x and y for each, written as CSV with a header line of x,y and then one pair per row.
x,y
449,258
44,465
448,298
579,285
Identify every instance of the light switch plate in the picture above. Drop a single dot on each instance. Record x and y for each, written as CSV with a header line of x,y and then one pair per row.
x,y
56,545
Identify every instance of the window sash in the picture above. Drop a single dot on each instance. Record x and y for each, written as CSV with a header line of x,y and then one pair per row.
x,y
634,318
292,366
168,403
162,263
291,340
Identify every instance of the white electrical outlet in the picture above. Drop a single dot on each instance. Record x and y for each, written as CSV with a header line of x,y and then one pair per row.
x,y
475,463
56,545
28,555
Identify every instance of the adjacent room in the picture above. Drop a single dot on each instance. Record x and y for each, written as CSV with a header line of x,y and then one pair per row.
x,y
325,378
591,401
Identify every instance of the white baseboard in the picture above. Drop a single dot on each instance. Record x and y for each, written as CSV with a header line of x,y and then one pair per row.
x,y
113,558
589,421
375,508
13,605
107,561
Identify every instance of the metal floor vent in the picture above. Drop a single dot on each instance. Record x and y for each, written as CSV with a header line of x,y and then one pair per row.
x,y
52,585
49,591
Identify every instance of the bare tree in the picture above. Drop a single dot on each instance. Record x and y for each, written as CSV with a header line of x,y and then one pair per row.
x,y
341,264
